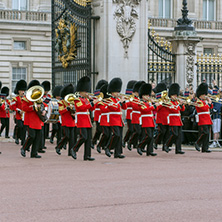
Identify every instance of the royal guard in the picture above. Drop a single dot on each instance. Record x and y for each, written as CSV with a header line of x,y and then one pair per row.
x,y
146,120
82,118
135,117
161,117
34,118
203,106
4,111
115,118
16,105
97,113
67,112
56,127
129,109
175,106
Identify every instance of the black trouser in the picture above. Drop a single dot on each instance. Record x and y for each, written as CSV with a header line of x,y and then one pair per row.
x,y
85,135
136,135
115,139
97,133
163,134
147,139
46,130
34,139
69,135
175,137
188,137
106,134
5,125
20,130
129,131
203,136
56,130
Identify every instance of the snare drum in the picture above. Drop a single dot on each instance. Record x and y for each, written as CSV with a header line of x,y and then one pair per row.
x,y
53,111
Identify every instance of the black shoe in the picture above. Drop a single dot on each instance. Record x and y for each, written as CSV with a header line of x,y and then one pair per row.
x,y
155,146
107,152
139,151
119,156
58,151
98,148
197,147
51,140
22,142
129,147
151,154
7,137
89,158
45,147
64,147
73,154
143,150
0,152
47,138
166,148
41,151
36,156
92,145
111,152
28,150
123,144
17,141
206,151
23,152
180,152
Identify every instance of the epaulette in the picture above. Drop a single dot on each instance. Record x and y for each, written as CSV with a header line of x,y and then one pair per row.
x,y
25,99
79,104
101,103
60,102
14,98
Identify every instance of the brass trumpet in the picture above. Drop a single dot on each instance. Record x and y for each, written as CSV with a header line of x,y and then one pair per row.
x,y
99,97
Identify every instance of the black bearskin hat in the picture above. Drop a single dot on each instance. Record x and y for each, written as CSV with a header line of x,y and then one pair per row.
x,y
16,91
104,90
0,85
131,84
202,89
34,82
56,91
101,83
174,89
137,86
160,87
115,85
21,85
46,85
5,90
84,84
67,89
145,89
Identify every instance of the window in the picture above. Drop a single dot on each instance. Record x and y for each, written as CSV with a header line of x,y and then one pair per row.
x,y
19,45
165,8
19,5
208,51
209,9
17,74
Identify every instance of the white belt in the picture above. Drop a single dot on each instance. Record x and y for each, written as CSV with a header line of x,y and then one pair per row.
x,y
112,113
134,112
98,109
172,114
144,115
103,114
197,116
129,108
80,113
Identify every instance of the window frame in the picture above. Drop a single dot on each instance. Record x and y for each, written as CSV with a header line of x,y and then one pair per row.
x,y
215,16
164,12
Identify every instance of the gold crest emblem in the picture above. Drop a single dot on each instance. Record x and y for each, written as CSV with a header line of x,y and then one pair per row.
x,y
66,34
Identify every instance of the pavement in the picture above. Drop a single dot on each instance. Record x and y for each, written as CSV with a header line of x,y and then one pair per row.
x,y
167,187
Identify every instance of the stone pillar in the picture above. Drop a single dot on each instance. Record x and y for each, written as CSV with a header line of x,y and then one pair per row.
x,y
121,39
184,47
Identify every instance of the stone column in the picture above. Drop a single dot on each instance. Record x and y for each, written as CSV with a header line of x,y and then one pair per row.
x,y
121,39
184,47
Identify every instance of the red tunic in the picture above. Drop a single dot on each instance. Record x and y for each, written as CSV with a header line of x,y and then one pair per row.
x,y
103,119
16,105
162,114
31,117
174,117
129,110
203,114
67,118
82,116
3,112
135,114
97,112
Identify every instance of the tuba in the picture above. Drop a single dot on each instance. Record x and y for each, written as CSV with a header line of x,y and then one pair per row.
x,y
35,94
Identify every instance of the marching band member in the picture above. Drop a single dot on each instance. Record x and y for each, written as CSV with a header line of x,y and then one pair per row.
x,y
82,118
135,117
67,113
56,127
129,109
203,118
97,113
146,120
174,119
4,112
34,123
115,118
16,105
161,118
